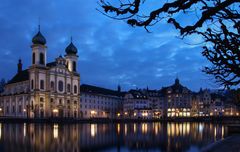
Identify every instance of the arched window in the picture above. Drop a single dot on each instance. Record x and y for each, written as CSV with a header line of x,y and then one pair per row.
x,y
52,85
41,99
75,89
33,58
42,84
74,66
60,86
32,84
42,58
68,88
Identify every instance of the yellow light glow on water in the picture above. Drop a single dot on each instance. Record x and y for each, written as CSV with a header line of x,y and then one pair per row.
x,y
144,128
93,130
0,130
125,129
222,132
24,129
215,133
118,128
55,131
156,128
134,127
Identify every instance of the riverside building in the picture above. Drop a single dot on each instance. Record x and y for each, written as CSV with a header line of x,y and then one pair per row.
x,y
44,89
97,102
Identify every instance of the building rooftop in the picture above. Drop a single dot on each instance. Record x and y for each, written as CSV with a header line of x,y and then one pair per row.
x,y
98,90
19,77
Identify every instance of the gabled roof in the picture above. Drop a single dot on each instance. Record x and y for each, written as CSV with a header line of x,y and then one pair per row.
x,y
97,90
175,88
138,94
19,77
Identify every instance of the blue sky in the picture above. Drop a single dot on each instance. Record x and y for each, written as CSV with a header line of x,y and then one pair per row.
x,y
110,51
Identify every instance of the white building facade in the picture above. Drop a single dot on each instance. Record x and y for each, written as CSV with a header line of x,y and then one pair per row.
x,y
44,90
99,102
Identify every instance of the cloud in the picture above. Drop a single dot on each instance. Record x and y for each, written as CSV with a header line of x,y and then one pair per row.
x,y
110,51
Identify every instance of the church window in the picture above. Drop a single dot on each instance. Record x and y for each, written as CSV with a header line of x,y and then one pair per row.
x,y
13,109
51,100
74,66
41,100
42,58
32,83
68,88
42,84
60,101
60,86
33,58
52,85
75,89
20,109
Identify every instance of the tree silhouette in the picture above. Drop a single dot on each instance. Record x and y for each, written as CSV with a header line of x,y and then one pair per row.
x,y
217,21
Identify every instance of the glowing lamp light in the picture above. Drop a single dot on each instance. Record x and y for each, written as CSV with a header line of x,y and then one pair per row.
x,y
145,114
125,113
222,110
237,114
135,114
55,110
24,110
118,114
93,112
0,109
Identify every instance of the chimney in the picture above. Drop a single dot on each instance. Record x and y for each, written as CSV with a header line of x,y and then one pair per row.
x,y
19,65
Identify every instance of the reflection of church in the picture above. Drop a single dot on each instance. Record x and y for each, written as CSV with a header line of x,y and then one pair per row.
x,y
44,89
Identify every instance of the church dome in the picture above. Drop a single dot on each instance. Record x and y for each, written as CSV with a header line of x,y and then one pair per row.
x,y
71,49
39,39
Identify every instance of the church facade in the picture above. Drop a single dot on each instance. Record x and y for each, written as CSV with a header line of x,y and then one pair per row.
x,y
44,90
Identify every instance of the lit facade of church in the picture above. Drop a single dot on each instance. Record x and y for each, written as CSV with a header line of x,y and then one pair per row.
x,y
44,90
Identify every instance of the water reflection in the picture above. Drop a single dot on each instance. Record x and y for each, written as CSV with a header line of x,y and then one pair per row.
x,y
55,131
108,137
93,130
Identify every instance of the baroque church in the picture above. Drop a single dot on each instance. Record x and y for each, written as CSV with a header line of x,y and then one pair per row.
x,y
44,90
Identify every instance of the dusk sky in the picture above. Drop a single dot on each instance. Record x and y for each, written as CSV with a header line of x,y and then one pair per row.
x,y
110,51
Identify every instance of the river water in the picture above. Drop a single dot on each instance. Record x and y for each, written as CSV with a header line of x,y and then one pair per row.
x,y
169,137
